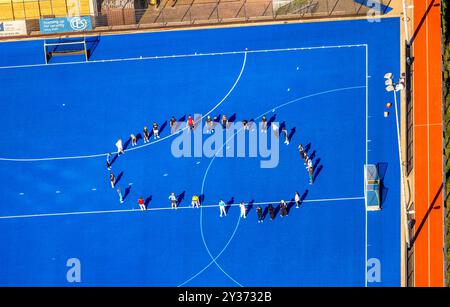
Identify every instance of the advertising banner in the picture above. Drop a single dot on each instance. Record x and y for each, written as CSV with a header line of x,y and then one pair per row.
x,y
13,28
69,24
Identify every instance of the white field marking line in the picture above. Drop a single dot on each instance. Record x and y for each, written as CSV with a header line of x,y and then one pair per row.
x,y
237,225
182,56
280,106
201,118
166,137
367,159
218,255
168,208
201,219
428,153
140,146
427,125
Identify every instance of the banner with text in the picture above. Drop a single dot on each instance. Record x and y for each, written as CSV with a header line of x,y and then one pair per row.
x,y
13,28
70,24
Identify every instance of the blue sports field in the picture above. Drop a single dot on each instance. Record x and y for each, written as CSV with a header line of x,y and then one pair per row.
x,y
322,81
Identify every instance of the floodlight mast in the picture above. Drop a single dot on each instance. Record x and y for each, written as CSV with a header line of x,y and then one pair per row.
x,y
391,87
405,22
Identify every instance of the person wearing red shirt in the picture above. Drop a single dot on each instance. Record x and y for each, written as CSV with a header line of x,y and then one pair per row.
x,y
190,122
141,203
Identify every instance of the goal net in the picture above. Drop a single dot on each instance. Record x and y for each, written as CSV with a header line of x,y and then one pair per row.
x,y
65,46
372,187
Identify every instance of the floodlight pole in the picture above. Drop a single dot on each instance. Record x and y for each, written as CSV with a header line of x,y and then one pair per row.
x,y
402,182
405,22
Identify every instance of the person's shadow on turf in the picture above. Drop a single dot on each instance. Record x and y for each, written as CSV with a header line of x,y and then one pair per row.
x,y
118,178
180,198
229,204
307,148
114,159
127,192
125,146
147,201
317,172
271,120
163,126
250,206
275,212
265,212
290,204
291,134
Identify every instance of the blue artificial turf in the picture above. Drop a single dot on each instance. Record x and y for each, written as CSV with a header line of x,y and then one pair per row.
x,y
82,109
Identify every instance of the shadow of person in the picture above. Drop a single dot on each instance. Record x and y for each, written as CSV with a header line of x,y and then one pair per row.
x,y
229,204
316,163
232,118
138,137
147,201
303,197
271,120
276,211
291,134
180,197
265,212
290,204
114,159
125,145
162,127
250,206
119,177
307,148
127,191
317,172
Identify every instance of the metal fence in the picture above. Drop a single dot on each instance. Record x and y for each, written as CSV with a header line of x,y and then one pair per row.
x,y
409,113
113,15
186,12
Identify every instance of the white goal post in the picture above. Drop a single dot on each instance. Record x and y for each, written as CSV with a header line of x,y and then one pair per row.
x,y
65,46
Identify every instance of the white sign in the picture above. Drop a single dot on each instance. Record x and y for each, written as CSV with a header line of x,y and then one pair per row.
x,y
13,28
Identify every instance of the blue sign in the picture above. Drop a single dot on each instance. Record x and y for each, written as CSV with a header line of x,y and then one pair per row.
x,y
69,24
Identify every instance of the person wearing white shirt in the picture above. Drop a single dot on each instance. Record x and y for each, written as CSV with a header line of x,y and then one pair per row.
x,y
223,212
309,164
119,146
173,201
297,199
243,210
275,129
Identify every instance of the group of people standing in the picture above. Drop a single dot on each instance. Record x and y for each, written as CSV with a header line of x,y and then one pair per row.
x,y
210,128
284,209
307,161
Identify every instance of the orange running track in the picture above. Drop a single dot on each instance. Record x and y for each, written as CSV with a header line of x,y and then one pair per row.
x,y
428,162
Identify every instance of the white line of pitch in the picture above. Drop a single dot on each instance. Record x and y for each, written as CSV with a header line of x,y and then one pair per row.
x,y
428,125
140,146
176,56
168,208
171,135
367,161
